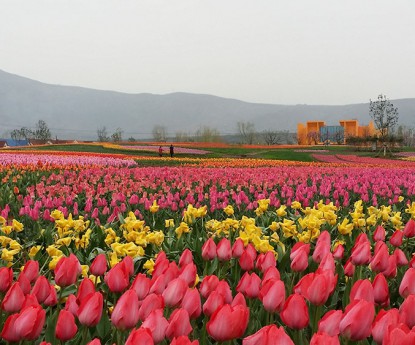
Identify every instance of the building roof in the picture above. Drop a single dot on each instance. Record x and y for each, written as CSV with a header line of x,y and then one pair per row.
x,y
13,142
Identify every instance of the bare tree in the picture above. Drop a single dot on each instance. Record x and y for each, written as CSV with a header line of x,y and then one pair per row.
x,y
182,136
207,134
159,133
102,134
42,131
247,132
117,135
384,115
313,138
273,137
408,135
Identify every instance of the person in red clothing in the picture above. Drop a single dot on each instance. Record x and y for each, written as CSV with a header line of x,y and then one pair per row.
x,y
160,151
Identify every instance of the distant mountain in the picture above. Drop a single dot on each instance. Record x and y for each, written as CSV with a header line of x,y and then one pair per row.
x,y
77,113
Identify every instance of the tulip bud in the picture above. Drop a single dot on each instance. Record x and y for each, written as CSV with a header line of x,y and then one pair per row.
x,y
65,327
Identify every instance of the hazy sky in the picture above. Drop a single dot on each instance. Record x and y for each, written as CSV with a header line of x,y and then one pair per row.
x,y
286,52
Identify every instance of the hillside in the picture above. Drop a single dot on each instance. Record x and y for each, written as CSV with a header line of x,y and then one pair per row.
x,y
76,112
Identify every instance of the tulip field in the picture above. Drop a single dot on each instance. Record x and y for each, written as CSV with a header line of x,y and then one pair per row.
x,y
100,249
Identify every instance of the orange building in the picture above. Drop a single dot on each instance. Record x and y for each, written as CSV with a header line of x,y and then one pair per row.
x,y
312,132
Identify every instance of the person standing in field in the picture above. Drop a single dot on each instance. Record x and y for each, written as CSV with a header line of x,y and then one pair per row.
x,y
171,150
160,151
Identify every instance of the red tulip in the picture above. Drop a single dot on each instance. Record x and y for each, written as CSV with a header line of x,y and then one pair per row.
x,y
179,324
174,292
269,335
327,264
161,264
9,329
349,268
272,295
265,261
117,278
407,286
99,265
228,322
396,238
382,322
295,312
338,253
141,285
65,326
13,300
150,303
157,324
249,285
246,261
299,257
380,260
238,248
31,270
24,283
41,289
409,229
225,290
271,273
209,284
361,251
71,305
141,336
407,311
239,299
209,250
186,258
158,285
223,250
90,310
52,299
399,335
321,338
391,271
319,288
322,247
213,303
191,302
381,290
184,340
125,313
362,289
379,234
6,279
30,300
401,259
330,322
94,341
357,320
29,323
67,271
86,288
127,264
188,274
